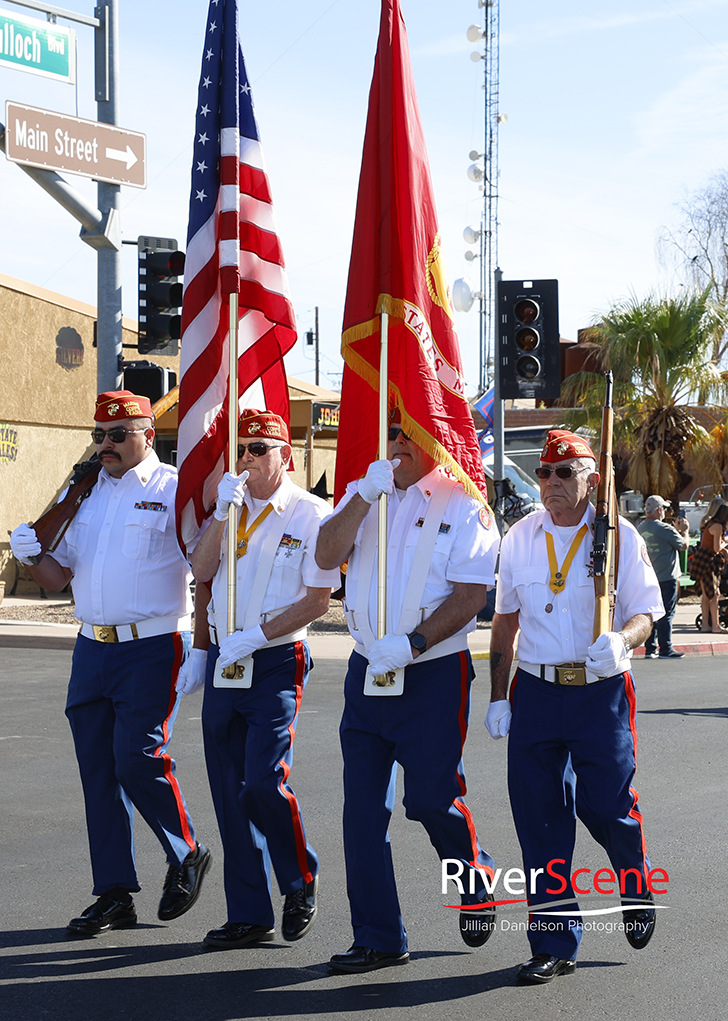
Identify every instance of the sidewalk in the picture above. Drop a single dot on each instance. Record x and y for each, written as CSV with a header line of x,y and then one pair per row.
x,y
18,633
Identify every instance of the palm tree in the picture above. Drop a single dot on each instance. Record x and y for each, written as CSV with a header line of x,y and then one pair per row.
x,y
659,350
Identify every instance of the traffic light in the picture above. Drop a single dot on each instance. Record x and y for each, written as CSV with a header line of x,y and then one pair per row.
x,y
527,326
160,298
148,379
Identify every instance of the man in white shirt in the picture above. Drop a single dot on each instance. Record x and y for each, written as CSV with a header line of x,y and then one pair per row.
x,y
572,702
131,589
441,556
249,722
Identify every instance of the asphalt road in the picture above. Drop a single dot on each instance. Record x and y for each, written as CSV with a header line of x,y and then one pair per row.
x,y
162,971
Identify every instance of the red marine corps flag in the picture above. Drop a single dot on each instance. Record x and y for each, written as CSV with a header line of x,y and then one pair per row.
x,y
397,268
233,255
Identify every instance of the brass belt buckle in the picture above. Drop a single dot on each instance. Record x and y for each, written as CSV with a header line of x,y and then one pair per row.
x,y
105,633
571,674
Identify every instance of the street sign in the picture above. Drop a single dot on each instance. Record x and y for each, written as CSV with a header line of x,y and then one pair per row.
x,y
54,141
39,47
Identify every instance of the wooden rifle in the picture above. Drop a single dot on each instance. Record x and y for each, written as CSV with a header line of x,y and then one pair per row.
x,y
606,529
51,526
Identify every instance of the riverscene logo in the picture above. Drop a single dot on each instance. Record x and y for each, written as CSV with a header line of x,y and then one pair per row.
x,y
603,881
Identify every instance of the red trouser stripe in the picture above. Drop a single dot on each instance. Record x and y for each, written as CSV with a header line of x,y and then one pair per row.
x,y
166,759
634,812
298,833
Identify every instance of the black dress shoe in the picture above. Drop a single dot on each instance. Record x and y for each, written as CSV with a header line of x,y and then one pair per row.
x,y
365,959
113,910
543,968
233,935
477,926
183,884
299,911
639,923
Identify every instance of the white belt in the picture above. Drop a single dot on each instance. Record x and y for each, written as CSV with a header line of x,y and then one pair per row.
x,y
149,628
569,674
455,643
295,636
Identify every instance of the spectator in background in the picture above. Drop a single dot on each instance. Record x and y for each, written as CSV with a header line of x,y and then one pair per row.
x,y
708,562
663,545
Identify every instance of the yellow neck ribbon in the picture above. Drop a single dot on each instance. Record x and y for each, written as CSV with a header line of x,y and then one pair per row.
x,y
559,576
244,532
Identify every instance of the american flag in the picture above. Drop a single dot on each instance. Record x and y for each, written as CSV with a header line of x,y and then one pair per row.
x,y
232,245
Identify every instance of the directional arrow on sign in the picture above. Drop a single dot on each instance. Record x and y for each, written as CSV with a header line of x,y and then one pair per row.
x,y
127,157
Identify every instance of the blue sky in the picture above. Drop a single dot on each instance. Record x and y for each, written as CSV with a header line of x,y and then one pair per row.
x,y
616,112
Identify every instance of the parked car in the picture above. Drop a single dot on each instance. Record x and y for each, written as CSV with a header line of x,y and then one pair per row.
x,y
526,493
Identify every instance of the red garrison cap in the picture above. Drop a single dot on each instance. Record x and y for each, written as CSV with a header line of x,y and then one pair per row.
x,y
562,445
263,425
116,405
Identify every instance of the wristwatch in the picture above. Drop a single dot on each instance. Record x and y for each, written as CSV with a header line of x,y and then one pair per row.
x,y
418,642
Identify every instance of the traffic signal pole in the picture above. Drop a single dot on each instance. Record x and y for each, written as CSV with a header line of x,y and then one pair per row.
x,y
100,227
498,407
108,331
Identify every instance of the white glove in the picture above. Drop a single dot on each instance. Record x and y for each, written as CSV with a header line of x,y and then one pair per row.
x,y
24,544
605,654
191,674
230,490
389,653
498,718
240,644
378,479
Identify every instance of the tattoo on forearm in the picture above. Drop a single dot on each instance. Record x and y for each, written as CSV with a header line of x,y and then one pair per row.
x,y
495,660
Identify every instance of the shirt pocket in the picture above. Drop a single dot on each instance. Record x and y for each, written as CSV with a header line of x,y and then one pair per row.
x,y
288,557
78,531
532,587
440,551
144,534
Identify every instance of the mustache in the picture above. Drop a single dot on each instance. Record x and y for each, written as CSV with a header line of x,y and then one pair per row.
x,y
110,453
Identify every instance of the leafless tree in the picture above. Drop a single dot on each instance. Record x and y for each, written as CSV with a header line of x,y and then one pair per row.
x,y
699,245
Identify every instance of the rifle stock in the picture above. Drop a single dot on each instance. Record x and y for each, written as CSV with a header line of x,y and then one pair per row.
x,y
51,526
605,521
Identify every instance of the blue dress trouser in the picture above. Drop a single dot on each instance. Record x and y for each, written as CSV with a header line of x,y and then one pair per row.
x,y
122,705
248,735
571,753
424,730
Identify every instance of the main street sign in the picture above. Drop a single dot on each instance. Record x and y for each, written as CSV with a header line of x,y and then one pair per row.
x,y
55,141
40,47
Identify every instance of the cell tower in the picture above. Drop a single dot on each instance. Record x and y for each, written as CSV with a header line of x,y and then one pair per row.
x,y
485,173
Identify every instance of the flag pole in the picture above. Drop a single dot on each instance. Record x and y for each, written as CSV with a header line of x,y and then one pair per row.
x,y
383,426
232,672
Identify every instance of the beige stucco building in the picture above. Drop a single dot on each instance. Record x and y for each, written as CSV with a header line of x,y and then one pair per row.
x,y
47,400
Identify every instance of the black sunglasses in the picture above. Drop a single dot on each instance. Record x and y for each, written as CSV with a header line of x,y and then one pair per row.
x,y
562,472
117,434
394,431
257,449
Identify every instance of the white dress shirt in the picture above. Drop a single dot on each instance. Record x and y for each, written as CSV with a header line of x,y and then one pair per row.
x,y
465,551
122,548
564,634
294,567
